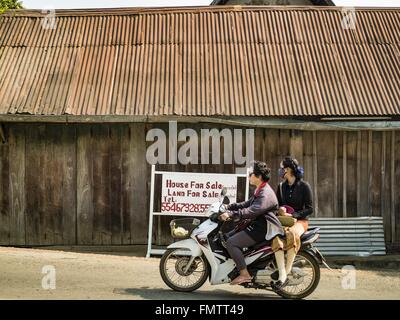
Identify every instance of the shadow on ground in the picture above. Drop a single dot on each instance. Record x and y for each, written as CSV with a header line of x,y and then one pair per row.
x,y
116,250
217,294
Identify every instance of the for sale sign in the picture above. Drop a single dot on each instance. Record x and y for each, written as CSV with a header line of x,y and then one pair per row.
x,y
186,194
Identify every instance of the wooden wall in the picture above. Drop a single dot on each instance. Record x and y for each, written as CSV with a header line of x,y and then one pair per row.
x,y
89,184
73,184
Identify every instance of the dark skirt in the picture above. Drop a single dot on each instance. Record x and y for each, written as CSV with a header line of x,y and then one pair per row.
x,y
257,229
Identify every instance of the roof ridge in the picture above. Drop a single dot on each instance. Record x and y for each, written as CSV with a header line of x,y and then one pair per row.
x,y
186,9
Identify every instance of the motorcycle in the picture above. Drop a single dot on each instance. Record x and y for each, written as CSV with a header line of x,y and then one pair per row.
x,y
201,254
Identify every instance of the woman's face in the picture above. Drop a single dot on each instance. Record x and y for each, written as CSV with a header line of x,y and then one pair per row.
x,y
254,180
285,172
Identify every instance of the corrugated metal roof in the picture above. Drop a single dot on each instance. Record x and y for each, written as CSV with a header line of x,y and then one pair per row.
x,y
236,61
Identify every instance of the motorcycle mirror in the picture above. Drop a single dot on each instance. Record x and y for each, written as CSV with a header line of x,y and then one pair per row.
x,y
224,191
226,200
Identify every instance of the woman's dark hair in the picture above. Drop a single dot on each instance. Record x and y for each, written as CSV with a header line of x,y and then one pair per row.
x,y
292,163
260,169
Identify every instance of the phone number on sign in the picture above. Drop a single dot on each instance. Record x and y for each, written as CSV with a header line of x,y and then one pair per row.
x,y
184,207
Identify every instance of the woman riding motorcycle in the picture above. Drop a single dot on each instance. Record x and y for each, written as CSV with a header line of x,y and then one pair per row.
x,y
260,211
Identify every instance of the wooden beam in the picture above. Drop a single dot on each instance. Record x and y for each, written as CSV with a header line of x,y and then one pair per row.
x,y
369,198
242,121
84,189
335,175
69,196
296,145
358,173
2,133
115,165
4,195
383,168
315,171
17,186
344,174
392,188
33,182
138,168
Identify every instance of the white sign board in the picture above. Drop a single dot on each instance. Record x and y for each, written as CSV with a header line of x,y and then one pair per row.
x,y
192,194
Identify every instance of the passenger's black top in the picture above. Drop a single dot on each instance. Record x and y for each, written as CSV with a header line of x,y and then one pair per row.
x,y
298,196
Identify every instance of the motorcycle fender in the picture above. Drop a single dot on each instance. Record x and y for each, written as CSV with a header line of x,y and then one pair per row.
x,y
190,244
316,254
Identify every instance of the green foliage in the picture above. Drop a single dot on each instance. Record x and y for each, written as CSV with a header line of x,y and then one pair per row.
x,y
10,4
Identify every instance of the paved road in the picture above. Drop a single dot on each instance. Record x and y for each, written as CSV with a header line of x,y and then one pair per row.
x,y
101,276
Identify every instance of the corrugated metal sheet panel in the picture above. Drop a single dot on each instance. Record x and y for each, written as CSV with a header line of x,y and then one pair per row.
x,y
363,236
236,61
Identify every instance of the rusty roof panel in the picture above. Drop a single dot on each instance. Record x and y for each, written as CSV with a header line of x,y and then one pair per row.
x,y
234,61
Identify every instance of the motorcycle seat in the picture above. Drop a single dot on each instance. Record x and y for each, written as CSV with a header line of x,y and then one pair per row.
x,y
309,233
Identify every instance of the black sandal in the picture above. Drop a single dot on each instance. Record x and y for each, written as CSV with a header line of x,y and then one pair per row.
x,y
275,275
277,286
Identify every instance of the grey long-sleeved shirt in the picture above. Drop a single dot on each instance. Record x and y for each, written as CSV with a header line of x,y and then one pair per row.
x,y
264,203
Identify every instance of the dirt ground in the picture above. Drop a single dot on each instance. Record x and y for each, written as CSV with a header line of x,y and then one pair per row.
x,y
106,276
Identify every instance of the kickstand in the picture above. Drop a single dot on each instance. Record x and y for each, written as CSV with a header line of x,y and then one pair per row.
x,y
326,265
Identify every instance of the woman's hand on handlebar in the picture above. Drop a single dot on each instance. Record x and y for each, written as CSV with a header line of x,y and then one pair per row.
x,y
225,216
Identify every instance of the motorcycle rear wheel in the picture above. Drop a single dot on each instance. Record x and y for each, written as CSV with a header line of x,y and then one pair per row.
x,y
286,292
173,263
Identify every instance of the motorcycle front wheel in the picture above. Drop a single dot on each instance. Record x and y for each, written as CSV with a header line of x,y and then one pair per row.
x,y
303,279
178,276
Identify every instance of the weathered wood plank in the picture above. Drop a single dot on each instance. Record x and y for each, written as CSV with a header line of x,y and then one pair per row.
x,y
325,151
69,186
231,167
126,184
84,192
273,157
160,224
56,184
40,182
359,179
3,134
352,174
296,145
33,224
370,175
4,191
308,159
344,185
141,184
335,175
284,143
115,188
52,185
376,166
163,236
315,173
258,141
101,185
17,185
363,186
385,184
395,186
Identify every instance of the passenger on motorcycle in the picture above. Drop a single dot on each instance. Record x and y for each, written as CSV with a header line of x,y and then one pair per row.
x,y
295,193
260,211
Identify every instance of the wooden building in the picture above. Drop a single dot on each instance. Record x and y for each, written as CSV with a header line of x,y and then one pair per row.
x,y
77,101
